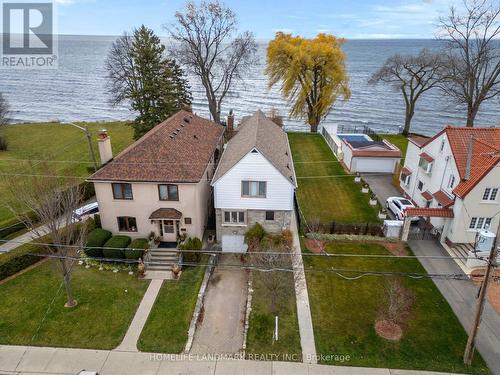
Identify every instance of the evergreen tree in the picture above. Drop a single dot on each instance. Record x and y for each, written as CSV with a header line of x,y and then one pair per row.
x,y
139,73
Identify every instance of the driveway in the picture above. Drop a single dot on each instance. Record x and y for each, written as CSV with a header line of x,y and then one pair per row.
x,y
383,188
461,295
221,331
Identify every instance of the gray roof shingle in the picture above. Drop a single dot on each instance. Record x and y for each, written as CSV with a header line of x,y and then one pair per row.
x,y
269,139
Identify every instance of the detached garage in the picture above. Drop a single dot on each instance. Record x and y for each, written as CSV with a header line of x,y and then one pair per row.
x,y
360,153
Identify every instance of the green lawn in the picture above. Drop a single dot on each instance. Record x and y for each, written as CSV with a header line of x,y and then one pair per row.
x,y
107,302
344,313
398,140
55,142
327,199
261,327
168,323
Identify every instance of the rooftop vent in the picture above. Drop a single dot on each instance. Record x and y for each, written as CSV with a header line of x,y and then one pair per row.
x,y
171,137
187,120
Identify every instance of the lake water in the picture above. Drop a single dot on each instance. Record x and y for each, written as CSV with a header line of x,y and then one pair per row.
x,y
76,91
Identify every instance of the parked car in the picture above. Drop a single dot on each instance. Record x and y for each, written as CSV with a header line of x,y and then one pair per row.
x,y
85,372
398,205
88,209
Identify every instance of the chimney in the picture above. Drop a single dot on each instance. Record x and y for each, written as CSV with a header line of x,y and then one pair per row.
x,y
230,121
104,144
469,159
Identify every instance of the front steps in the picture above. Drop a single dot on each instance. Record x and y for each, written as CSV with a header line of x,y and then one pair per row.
x,y
162,259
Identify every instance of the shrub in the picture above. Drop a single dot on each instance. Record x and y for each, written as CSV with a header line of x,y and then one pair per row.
x,y
118,245
96,238
19,258
136,248
254,235
284,238
192,243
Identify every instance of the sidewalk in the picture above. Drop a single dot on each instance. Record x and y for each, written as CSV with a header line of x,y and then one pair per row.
x,y
129,342
21,360
302,297
461,295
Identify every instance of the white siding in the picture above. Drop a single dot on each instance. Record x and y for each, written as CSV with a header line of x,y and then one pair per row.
x,y
254,167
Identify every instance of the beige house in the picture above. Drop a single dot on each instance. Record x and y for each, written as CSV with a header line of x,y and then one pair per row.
x,y
160,183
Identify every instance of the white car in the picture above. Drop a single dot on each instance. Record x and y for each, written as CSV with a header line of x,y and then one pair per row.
x,y
88,209
398,205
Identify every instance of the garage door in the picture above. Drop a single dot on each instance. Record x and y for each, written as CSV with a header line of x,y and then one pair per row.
x,y
381,165
234,243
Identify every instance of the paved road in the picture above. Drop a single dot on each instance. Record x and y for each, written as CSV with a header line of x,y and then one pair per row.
x,y
461,295
20,360
221,331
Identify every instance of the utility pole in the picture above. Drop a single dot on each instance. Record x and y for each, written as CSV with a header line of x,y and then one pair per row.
x,y
89,140
469,348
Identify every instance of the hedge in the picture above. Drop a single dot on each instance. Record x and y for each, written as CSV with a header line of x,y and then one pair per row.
x,y
136,248
96,238
18,259
118,243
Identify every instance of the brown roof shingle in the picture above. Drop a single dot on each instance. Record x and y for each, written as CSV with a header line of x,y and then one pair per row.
x,y
268,138
177,150
165,213
428,212
443,198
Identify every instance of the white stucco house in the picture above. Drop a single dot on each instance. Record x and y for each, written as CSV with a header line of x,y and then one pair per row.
x,y
454,179
254,182
160,183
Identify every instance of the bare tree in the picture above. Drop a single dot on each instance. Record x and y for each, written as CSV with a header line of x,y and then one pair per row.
x,y
205,45
46,204
4,110
412,75
473,52
4,113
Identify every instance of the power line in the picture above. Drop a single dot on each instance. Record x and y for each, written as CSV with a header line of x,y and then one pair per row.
x,y
340,255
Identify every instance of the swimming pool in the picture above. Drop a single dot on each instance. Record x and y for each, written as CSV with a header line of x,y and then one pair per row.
x,y
354,137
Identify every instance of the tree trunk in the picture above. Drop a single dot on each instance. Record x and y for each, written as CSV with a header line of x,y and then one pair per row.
x,y
213,108
314,122
70,301
408,116
471,114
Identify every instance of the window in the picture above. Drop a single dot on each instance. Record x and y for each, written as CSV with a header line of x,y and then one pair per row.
x,y
168,192
490,194
255,189
405,179
122,191
234,217
127,224
270,215
441,148
420,185
188,220
168,226
480,223
425,165
451,182
428,204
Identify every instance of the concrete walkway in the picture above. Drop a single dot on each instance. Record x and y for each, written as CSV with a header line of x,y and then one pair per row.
x,y
302,297
129,343
21,360
461,295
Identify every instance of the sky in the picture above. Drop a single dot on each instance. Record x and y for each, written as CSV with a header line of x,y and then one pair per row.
x,y
352,19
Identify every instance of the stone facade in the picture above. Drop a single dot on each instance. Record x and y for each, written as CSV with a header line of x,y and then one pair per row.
x,y
281,220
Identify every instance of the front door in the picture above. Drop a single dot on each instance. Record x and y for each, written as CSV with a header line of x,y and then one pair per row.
x,y
169,230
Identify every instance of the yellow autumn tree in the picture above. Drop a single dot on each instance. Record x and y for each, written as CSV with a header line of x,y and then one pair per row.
x,y
312,74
